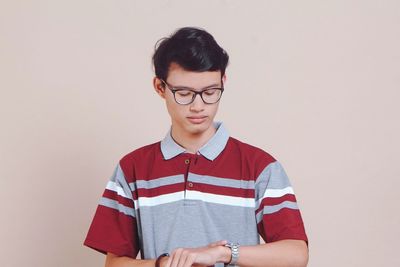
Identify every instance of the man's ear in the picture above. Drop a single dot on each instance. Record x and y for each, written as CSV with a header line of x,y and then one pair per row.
x,y
224,79
158,87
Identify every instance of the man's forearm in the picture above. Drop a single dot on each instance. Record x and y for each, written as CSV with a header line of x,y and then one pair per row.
x,y
115,261
284,253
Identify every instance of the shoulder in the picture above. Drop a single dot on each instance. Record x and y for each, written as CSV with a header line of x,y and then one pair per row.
x,y
250,150
253,155
139,156
144,151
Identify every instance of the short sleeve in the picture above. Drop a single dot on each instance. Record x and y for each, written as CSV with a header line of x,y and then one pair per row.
x,y
277,213
114,227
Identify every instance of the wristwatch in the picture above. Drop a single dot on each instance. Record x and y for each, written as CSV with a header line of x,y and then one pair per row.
x,y
234,253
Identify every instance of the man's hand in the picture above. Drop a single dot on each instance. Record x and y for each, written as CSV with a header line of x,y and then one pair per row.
x,y
199,257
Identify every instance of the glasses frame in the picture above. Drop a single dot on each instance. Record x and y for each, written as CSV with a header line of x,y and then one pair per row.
x,y
195,93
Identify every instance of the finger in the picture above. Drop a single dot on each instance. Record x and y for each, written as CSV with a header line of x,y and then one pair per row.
x,y
175,257
218,243
182,258
189,260
168,263
213,244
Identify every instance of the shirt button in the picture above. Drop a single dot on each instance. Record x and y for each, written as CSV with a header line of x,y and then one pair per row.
x,y
190,184
187,161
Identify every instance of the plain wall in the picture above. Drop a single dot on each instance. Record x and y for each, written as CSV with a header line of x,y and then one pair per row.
x,y
314,83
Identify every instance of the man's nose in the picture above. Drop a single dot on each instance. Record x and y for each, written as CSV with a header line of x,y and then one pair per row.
x,y
197,104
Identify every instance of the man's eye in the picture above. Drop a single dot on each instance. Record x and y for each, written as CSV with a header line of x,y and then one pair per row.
x,y
210,91
184,93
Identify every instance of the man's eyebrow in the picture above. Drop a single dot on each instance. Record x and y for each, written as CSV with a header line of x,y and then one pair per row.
x,y
209,86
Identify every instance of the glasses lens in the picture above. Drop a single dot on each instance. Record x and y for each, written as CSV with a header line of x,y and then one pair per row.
x,y
184,96
211,96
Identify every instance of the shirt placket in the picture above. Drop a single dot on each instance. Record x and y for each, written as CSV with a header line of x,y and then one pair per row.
x,y
190,161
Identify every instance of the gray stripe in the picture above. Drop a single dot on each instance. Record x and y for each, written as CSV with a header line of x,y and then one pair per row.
x,y
117,206
275,208
212,180
175,179
272,177
119,178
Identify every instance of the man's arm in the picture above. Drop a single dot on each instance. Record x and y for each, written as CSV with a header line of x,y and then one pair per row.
x,y
284,253
212,255
113,260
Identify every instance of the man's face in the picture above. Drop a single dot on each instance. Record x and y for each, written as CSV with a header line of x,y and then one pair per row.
x,y
194,118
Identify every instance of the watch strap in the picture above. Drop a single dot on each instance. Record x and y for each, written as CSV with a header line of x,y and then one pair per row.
x,y
234,253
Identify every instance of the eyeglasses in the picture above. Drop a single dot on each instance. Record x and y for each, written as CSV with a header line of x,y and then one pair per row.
x,y
185,96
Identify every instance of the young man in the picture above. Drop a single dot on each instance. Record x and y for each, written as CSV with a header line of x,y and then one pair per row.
x,y
198,197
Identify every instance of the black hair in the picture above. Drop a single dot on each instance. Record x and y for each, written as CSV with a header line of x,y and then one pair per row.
x,y
193,49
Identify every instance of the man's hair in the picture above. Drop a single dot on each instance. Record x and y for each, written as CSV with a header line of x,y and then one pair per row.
x,y
193,49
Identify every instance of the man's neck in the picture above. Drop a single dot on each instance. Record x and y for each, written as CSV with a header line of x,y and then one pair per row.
x,y
192,142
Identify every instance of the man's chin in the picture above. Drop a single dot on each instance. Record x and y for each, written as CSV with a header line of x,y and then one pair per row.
x,y
197,129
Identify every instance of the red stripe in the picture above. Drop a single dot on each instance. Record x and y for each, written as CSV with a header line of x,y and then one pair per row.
x,y
223,191
232,163
122,200
113,231
283,224
271,201
157,191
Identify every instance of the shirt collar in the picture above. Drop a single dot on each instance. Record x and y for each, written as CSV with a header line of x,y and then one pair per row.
x,y
210,150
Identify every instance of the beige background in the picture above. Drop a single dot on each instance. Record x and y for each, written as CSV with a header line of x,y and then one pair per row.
x,y
315,83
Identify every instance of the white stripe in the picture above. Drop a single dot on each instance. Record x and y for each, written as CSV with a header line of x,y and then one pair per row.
x,y
113,186
276,193
163,199
220,199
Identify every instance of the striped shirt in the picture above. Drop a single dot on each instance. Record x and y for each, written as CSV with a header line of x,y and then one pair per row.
x,y
160,198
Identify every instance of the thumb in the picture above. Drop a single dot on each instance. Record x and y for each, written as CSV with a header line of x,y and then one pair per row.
x,y
218,243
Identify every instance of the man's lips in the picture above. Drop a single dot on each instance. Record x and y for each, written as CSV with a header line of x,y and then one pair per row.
x,y
197,119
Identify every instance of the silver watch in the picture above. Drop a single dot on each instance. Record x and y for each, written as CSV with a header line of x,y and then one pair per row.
x,y
234,253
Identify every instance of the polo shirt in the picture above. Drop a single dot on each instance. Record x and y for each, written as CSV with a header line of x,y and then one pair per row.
x,y
160,197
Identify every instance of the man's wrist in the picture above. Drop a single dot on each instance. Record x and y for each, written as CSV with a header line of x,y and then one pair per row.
x,y
226,255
